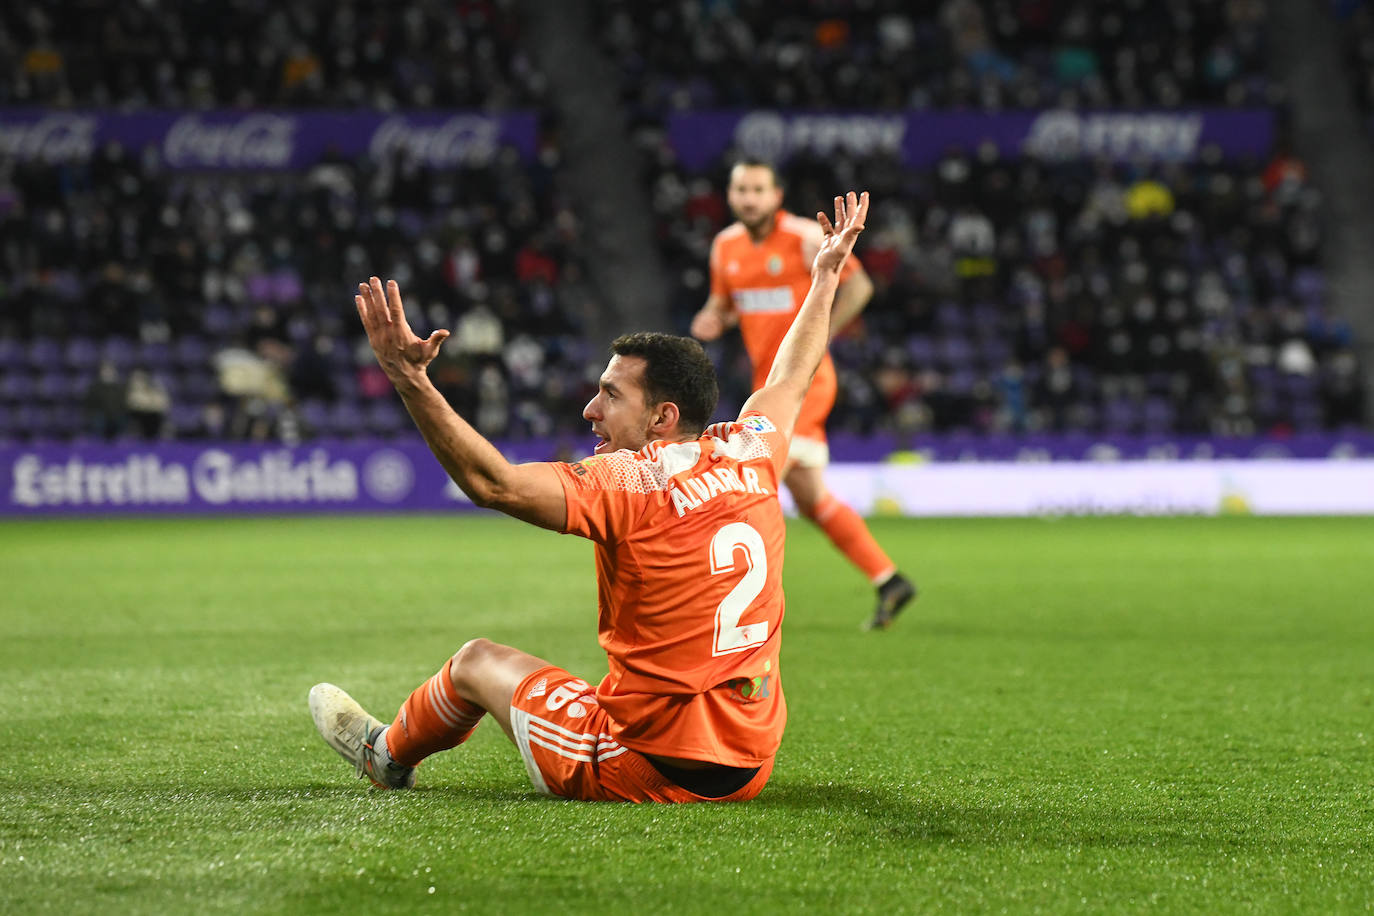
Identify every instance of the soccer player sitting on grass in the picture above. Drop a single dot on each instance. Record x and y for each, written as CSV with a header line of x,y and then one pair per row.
x,y
689,549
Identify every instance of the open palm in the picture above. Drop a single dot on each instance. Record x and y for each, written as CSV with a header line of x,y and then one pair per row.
x,y
399,350
839,236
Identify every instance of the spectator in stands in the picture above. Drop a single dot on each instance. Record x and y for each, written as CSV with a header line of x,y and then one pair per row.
x,y
147,402
106,403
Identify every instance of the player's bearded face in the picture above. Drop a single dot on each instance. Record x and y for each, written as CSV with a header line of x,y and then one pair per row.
x,y
619,414
754,195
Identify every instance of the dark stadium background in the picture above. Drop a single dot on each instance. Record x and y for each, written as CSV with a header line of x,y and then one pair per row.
x,y
1133,226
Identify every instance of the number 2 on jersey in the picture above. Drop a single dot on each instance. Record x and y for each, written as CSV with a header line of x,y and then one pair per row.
x,y
730,636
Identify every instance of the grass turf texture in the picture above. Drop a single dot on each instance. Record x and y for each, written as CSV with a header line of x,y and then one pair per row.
x,y
1111,714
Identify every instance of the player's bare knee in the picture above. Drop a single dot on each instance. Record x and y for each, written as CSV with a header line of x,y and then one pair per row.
x,y
468,661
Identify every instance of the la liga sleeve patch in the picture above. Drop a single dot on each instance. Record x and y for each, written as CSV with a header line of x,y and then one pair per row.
x,y
759,424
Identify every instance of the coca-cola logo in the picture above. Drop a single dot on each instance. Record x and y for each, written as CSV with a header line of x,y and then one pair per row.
x,y
51,138
262,141
459,140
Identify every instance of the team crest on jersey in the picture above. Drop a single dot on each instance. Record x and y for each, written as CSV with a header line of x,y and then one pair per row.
x,y
758,424
775,265
580,467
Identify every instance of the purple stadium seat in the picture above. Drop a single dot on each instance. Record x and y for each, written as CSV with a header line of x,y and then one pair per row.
x,y
185,418
156,356
951,318
1309,285
315,415
1308,416
346,420
961,381
259,287
385,418
17,386
1299,387
1264,378
119,351
58,386
346,383
191,352
82,353
34,421
956,353
218,320
921,349
11,352
44,353
68,420
198,386
287,286
995,352
1120,416
1158,415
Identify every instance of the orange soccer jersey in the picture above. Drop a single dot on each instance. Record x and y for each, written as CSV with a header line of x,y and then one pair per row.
x,y
766,283
689,551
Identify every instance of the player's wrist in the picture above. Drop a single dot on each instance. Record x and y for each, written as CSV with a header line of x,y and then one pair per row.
x,y
409,380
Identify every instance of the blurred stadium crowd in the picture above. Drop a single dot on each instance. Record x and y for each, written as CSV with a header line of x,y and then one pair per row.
x,y
137,301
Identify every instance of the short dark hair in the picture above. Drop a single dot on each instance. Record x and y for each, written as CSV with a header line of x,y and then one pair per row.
x,y
754,162
676,369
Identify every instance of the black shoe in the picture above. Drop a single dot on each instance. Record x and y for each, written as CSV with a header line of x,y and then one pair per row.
x,y
893,595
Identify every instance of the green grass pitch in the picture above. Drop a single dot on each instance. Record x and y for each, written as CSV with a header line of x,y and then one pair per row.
x,y
1114,715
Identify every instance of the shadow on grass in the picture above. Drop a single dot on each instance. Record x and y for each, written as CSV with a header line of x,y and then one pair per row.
x,y
869,809
1014,822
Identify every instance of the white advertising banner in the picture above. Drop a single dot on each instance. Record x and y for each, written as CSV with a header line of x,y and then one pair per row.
x,y
1300,487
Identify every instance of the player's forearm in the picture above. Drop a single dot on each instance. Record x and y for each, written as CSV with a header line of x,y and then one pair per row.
x,y
720,307
850,300
479,469
801,351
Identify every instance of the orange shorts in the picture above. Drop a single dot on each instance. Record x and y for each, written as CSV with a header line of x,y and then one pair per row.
x,y
564,738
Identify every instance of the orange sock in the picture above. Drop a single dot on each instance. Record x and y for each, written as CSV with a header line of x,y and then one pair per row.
x,y
847,531
434,719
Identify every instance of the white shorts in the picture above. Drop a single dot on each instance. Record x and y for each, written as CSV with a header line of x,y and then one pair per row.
x,y
809,453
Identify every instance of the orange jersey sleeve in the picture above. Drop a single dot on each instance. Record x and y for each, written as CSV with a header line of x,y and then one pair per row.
x,y
689,578
719,286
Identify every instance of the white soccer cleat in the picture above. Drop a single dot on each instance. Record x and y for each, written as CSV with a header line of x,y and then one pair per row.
x,y
357,737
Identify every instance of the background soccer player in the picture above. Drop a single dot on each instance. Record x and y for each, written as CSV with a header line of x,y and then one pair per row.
x,y
689,554
760,274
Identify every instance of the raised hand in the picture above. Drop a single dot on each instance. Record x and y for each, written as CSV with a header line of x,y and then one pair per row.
x,y
400,352
838,241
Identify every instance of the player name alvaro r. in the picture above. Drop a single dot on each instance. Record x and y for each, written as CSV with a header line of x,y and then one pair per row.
x,y
694,492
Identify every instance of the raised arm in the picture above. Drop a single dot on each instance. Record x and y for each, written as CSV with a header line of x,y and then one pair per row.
x,y
799,355
530,492
855,289
851,298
